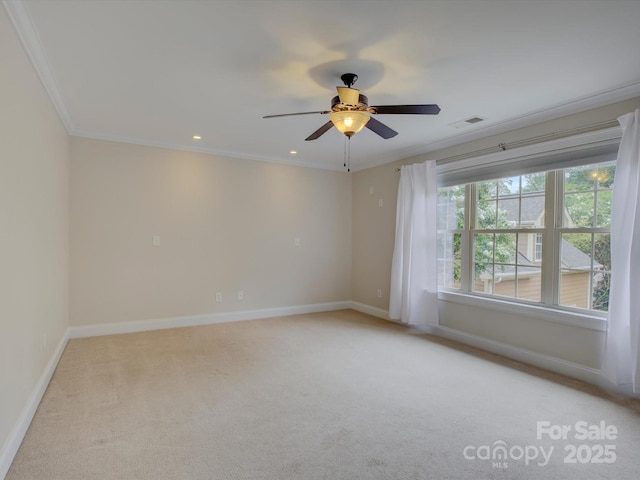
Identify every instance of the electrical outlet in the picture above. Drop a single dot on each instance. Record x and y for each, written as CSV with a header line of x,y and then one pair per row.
x,y
240,295
218,297
379,293
380,202
156,240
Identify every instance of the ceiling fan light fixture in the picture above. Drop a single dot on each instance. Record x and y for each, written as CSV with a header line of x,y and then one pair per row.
x,y
350,112
349,122
349,96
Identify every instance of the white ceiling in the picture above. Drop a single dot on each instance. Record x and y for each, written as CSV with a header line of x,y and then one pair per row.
x,y
157,72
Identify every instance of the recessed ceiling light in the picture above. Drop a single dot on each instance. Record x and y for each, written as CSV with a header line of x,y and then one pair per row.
x,y
197,137
293,152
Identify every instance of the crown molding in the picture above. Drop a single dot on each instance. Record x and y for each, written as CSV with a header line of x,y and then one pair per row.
x,y
209,151
600,99
21,19
582,104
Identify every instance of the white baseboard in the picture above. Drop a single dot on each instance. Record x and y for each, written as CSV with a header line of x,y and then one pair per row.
x,y
19,430
369,310
554,364
196,320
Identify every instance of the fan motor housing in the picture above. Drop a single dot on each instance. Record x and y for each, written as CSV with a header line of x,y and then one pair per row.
x,y
337,106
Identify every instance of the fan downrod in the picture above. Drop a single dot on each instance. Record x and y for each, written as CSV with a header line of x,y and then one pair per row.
x,y
349,79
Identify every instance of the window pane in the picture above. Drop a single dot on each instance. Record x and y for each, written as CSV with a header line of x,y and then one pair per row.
x,y
532,211
607,175
529,283
482,278
581,208
487,190
600,293
505,248
580,179
486,215
508,186
602,175
451,208
449,255
534,182
603,209
520,202
575,288
483,246
508,212
450,217
601,276
529,248
457,260
578,268
602,251
504,279
575,250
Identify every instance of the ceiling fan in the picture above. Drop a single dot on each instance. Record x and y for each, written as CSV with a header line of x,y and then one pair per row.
x,y
350,112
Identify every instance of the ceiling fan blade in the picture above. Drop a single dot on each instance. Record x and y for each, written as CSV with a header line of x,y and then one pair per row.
x,y
292,114
380,128
407,109
321,131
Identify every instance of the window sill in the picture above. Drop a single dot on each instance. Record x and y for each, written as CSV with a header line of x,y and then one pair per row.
x,y
576,319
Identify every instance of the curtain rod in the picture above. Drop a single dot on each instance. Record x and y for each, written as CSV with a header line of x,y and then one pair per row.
x,y
528,141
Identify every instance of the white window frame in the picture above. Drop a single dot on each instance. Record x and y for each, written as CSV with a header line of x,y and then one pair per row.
x,y
555,155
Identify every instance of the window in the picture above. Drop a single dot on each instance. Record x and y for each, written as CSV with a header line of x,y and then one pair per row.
x,y
537,247
585,267
540,238
506,210
450,220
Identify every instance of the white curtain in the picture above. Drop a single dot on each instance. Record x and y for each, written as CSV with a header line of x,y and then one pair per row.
x,y
414,282
621,363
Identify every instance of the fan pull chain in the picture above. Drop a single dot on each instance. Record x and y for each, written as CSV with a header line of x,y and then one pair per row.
x,y
348,154
345,151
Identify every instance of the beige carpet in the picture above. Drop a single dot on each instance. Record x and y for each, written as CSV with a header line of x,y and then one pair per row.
x,y
336,395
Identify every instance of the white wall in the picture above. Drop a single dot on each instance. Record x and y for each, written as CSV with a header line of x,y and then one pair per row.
x,y
224,225
34,231
372,251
